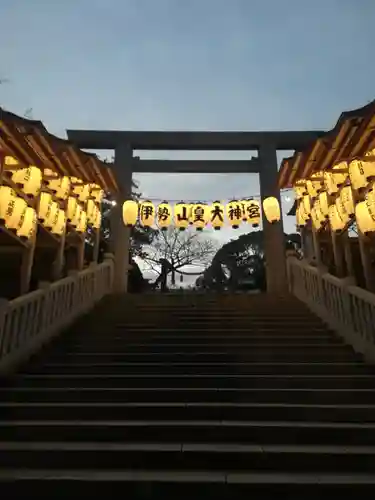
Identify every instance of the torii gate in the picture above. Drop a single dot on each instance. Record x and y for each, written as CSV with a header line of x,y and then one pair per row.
x,y
266,143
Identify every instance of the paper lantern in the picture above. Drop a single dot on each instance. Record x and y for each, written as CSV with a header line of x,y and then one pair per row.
x,y
82,191
306,202
253,212
60,224
91,209
7,194
361,172
324,203
10,162
201,215
29,224
59,186
300,189
164,215
216,212
29,180
315,184
181,215
82,223
71,208
45,203
317,217
301,216
244,204
190,209
97,193
130,213
51,220
77,216
147,213
347,200
271,207
98,220
16,213
234,213
336,222
336,177
365,222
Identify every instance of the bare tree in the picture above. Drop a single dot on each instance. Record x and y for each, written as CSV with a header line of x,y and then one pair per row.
x,y
179,249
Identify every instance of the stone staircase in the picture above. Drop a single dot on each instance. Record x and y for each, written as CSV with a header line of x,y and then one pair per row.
x,y
195,396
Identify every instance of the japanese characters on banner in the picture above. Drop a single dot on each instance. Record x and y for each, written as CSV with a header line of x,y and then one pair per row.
x,y
199,215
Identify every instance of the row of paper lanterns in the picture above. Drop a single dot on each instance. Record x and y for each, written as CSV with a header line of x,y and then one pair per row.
x,y
200,214
31,181
332,196
18,216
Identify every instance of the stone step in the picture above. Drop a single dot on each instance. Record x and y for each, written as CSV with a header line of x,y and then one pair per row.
x,y
170,431
261,368
185,485
188,411
225,457
188,395
276,380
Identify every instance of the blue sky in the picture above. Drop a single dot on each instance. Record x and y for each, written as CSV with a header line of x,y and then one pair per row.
x,y
188,64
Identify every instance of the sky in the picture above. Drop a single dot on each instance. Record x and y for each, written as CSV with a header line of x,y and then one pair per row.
x,y
188,65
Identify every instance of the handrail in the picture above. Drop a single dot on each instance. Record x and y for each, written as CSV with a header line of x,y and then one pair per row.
x,y
29,320
348,309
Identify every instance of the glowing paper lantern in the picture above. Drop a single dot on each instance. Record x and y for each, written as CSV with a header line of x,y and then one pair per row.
x,y
71,208
300,189
317,217
324,203
10,162
59,186
346,196
306,201
217,215
271,207
244,204
98,220
234,213
51,220
91,209
253,212
301,215
29,180
336,222
45,204
77,216
130,213
7,194
82,223
365,221
29,224
15,214
361,172
60,224
200,215
315,184
181,215
336,177
97,193
164,215
147,213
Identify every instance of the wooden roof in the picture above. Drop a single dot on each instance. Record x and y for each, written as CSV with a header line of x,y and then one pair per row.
x,y
31,144
352,136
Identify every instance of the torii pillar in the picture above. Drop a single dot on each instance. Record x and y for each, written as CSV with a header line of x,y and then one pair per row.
x,y
274,241
120,233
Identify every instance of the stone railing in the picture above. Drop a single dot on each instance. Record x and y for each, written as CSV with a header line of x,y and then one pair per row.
x,y
347,309
30,320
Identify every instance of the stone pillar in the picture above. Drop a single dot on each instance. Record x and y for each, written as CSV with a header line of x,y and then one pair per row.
x,y
274,241
120,233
